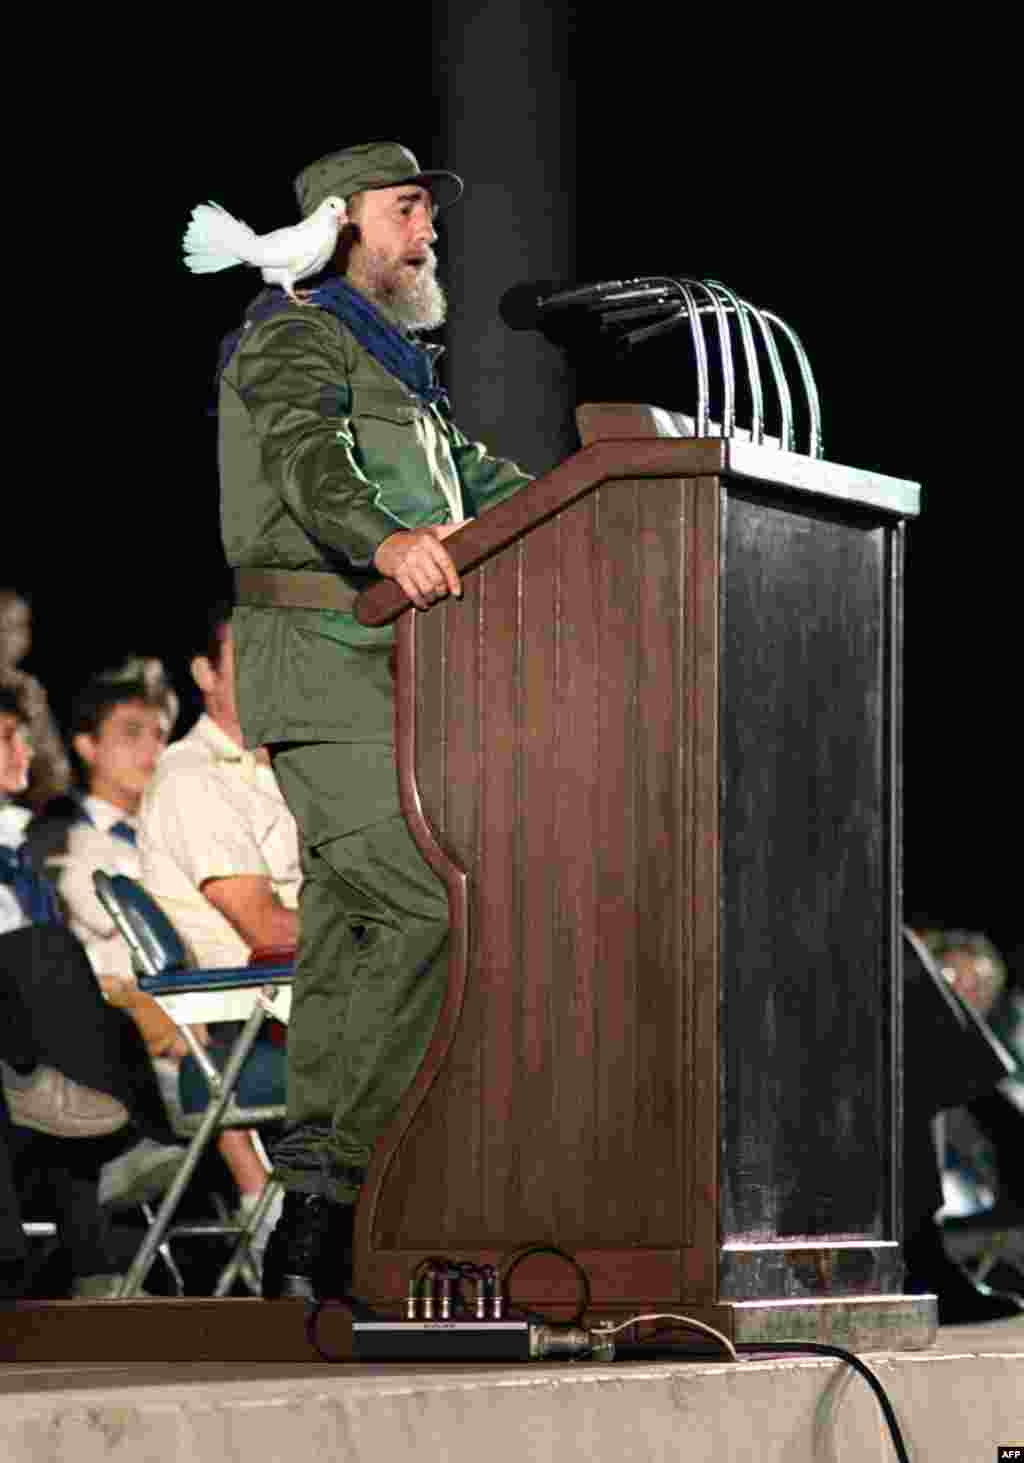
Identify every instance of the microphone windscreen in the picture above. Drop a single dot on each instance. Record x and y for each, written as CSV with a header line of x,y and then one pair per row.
x,y
519,306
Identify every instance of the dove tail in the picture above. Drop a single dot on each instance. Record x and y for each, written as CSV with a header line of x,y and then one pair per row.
x,y
214,240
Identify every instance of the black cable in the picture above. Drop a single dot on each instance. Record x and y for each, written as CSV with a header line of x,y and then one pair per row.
x,y
584,1281
361,1311
815,1348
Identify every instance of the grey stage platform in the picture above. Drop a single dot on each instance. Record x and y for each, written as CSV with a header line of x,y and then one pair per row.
x,y
955,1400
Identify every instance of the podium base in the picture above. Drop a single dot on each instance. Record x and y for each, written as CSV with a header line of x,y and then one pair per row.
x,y
246,1330
856,1323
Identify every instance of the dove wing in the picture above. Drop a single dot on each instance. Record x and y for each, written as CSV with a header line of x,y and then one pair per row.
x,y
289,246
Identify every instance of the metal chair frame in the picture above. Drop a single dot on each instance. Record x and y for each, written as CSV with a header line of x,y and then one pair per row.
x,y
251,994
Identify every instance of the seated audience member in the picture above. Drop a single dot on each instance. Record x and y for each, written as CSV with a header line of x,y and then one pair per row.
x,y
220,849
219,846
50,774
971,964
15,760
47,835
120,724
988,1131
55,1030
949,1059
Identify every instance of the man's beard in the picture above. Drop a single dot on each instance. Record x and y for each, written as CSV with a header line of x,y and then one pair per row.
x,y
410,294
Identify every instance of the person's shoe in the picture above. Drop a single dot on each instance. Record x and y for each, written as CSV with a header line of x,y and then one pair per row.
x,y
309,1254
140,1174
101,1287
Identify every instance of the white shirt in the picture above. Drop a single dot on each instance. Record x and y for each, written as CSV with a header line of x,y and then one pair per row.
x,y
13,821
92,846
212,811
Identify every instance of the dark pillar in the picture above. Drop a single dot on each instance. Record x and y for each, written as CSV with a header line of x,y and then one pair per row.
x,y
508,125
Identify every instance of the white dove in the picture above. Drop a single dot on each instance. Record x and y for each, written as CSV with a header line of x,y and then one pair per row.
x,y
215,240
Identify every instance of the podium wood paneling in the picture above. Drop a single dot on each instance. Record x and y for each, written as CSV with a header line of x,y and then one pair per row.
x,y
652,751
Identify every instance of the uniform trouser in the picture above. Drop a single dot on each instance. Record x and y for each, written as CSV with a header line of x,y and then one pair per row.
x,y
371,970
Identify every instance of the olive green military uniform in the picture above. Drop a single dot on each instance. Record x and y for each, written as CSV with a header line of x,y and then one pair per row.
x,y
324,454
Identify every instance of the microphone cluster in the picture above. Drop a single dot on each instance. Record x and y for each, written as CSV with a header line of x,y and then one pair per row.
x,y
721,325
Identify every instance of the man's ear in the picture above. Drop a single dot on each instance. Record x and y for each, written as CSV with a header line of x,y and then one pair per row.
x,y
85,746
348,235
203,673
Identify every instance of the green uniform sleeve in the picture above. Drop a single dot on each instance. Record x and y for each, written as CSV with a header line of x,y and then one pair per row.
x,y
486,480
288,372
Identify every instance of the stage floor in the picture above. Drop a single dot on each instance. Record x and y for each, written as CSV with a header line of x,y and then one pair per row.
x,y
956,1402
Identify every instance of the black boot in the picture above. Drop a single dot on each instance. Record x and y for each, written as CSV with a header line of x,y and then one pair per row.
x,y
309,1253
961,1300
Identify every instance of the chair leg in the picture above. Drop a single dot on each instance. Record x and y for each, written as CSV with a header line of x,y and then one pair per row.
x,y
242,1253
164,1251
139,1268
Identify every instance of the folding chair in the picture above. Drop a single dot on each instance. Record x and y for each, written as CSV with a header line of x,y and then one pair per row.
x,y
189,996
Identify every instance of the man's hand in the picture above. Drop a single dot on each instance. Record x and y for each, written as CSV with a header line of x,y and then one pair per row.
x,y
158,1030
418,563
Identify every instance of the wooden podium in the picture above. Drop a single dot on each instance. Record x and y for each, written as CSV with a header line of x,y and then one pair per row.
x,y
654,753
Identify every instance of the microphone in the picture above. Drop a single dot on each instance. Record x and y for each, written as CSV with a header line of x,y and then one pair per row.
x,y
591,316
519,306
524,305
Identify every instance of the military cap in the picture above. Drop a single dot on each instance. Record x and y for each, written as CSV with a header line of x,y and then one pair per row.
x,y
370,165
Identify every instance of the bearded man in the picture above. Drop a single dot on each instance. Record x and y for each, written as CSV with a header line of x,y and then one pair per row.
x,y
339,464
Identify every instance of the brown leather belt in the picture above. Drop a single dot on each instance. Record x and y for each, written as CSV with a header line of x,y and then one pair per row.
x,y
294,589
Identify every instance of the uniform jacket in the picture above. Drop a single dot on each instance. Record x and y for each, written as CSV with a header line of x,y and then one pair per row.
x,y
323,455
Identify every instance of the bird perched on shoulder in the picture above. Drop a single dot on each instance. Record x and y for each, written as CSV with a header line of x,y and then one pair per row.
x,y
215,240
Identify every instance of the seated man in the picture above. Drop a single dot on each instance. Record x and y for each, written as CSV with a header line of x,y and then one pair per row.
x,y
946,1061
987,1133
120,723
219,847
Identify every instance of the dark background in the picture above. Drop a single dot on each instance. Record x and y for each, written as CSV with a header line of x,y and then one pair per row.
x,y
851,182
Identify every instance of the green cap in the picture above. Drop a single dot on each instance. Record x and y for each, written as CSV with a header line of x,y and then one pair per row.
x,y
369,165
